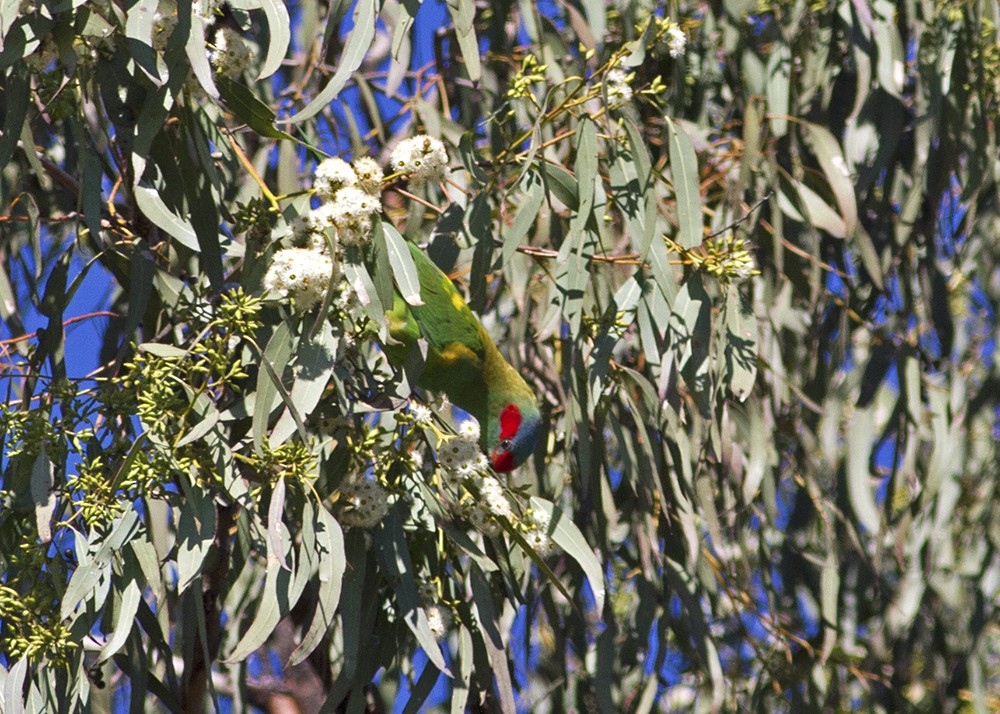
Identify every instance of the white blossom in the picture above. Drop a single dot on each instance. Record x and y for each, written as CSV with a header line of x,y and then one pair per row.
x,y
678,698
369,175
301,275
456,452
618,88
480,519
469,429
421,414
333,174
537,533
205,8
676,41
232,54
423,157
353,204
439,620
163,28
427,591
493,498
351,212
364,503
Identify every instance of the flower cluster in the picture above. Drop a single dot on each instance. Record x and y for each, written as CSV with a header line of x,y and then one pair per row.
x,y
365,503
439,620
536,531
676,41
332,175
423,157
482,513
302,275
351,196
669,37
206,9
163,28
459,456
438,614
232,54
618,88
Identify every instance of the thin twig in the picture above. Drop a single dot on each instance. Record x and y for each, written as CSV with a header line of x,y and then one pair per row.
x,y
746,215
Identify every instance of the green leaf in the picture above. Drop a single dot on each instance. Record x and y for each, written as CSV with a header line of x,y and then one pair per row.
x,y
277,352
404,270
818,212
684,172
315,359
567,536
394,556
246,107
13,687
332,563
275,509
463,14
124,620
859,480
779,67
740,351
358,43
275,601
90,571
531,189
152,206
17,95
831,160
195,535
197,52
279,28
486,615
139,36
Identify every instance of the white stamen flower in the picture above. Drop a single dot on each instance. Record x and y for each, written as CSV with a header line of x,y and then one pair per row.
x,y
480,519
423,157
421,415
301,275
232,54
205,8
458,454
439,619
332,175
537,534
351,212
163,28
369,175
427,591
676,41
619,91
353,204
365,503
493,498
469,429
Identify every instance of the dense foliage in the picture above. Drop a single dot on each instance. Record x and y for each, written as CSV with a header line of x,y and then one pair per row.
x,y
745,252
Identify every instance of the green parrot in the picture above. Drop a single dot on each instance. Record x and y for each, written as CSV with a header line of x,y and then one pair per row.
x,y
464,363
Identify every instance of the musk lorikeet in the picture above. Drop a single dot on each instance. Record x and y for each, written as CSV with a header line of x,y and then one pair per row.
x,y
464,363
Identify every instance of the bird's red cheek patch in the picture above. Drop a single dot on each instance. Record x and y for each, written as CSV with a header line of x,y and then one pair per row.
x,y
503,461
510,421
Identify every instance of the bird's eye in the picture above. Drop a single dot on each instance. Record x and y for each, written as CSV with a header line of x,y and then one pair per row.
x,y
506,444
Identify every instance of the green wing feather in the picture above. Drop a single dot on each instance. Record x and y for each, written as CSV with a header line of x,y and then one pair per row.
x,y
456,343
462,360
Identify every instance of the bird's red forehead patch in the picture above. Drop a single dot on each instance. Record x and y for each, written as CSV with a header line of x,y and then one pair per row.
x,y
510,421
